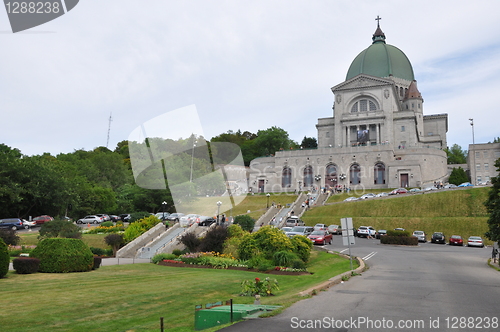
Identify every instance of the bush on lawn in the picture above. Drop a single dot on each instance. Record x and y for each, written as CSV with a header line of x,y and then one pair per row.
x,y
9,236
191,241
284,258
214,240
97,262
60,228
107,224
246,222
266,241
61,255
159,257
302,247
138,216
26,265
4,259
136,229
398,233
114,240
400,240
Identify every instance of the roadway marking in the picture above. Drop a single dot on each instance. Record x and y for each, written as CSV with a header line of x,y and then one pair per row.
x,y
370,255
344,250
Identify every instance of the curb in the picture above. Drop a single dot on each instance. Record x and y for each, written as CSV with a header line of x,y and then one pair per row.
x,y
334,280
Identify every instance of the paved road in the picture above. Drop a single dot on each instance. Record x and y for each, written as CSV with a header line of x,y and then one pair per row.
x,y
421,288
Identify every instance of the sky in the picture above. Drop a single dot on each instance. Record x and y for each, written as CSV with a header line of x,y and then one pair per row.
x,y
244,65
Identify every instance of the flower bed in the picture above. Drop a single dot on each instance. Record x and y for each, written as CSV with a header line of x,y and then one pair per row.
x,y
281,271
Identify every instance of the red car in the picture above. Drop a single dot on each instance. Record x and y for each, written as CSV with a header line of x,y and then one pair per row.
x,y
456,240
42,219
398,191
320,237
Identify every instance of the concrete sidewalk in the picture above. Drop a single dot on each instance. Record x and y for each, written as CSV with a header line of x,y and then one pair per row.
x,y
114,261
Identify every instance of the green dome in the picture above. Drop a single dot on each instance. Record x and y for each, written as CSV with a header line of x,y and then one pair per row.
x,y
381,60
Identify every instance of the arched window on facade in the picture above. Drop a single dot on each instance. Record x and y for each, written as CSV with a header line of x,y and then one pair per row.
x,y
354,174
379,173
365,104
308,176
331,179
286,177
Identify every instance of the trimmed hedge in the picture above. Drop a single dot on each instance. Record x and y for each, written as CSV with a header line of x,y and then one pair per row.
x,y
4,259
401,240
61,255
97,262
26,265
398,233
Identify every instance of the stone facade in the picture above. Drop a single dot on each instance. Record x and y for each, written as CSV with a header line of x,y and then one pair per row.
x,y
481,161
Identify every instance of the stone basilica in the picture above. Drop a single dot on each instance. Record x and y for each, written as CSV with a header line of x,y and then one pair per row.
x,y
378,136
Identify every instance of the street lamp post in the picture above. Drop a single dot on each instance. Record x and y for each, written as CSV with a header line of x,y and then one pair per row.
x,y
473,166
163,207
192,158
219,203
268,195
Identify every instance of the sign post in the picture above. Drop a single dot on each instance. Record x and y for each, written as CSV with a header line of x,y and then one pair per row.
x,y
347,234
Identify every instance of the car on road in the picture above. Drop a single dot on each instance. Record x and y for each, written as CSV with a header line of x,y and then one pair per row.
x,y
300,230
420,235
382,194
162,215
28,224
91,219
11,223
206,221
320,227
188,219
40,220
415,190
450,186
438,237
351,199
320,237
103,216
475,241
380,233
334,229
366,231
294,221
175,216
466,184
125,217
367,196
398,191
286,229
456,240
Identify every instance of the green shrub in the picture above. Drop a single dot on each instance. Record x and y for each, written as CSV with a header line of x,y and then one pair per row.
x,y
284,258
256,286
235,230
246,222
267,240
61,255
298,264
98,251
15,252
4,259
140,227
256,261
115,241
178,252
191,241
398,233
214,240
138,216
107,224
302,247
26,265
400,240
60,228
9,236
231,246
159,257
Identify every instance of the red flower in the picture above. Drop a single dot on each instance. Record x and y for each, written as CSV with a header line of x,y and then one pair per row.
x,y
257,279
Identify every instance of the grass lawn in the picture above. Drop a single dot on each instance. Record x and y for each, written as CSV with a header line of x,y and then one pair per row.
x,y
92,240
134,297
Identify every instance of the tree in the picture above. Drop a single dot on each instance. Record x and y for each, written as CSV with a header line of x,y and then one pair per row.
x,y
246,222
115,241
4,259
9,236
60,228
271,140
456,155
493,207
309,143
458,175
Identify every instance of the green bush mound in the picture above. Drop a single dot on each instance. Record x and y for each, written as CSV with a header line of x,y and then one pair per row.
x,y
401,240
4,259
61,255
97,262
26,265
141,226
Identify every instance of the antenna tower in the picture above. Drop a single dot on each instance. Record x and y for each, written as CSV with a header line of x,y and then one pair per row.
x,y
109,128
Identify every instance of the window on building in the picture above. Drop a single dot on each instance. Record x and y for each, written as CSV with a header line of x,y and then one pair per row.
x,y
497,154
364,105
402,128
478,167
331,176
430,133
486,167
286,178
485,154
308,176
379,173
478,154
354,174
327,134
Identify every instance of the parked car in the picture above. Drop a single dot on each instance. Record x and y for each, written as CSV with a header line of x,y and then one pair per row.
x,y
92,219
162,215
399,229
466,184
415,190
114,218
104,217
382,194
286,229
366,196
320,237
300,230
125,217
366,231
438,237
398,191
430,188
475,241
188,220
294,221
334,229
350,199
456,240
40,220
175,216
380,233
420,235
12,223
450,186
320,227
28,224
206,221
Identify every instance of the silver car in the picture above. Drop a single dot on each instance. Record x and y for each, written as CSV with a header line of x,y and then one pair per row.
x,y
300,230
92,219
420,235
475,241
